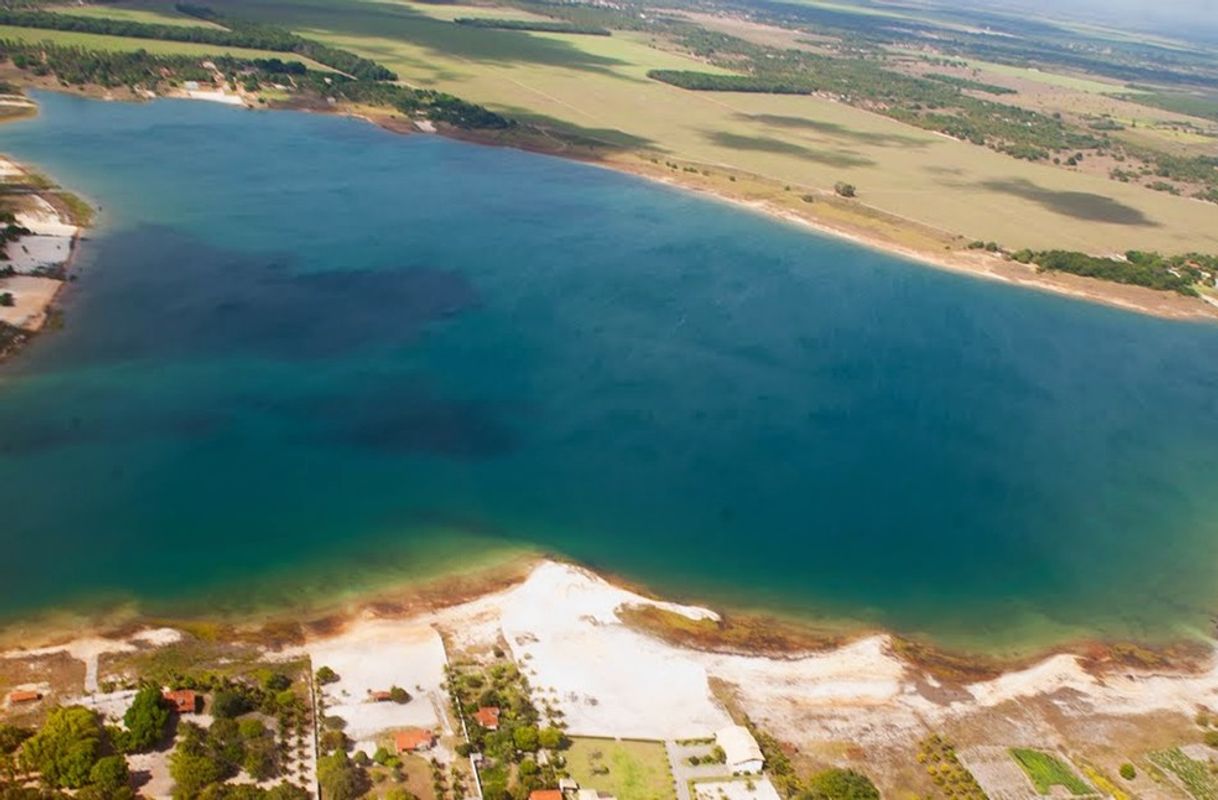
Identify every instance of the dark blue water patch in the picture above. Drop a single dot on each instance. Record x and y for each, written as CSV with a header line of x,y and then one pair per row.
x,y
316,348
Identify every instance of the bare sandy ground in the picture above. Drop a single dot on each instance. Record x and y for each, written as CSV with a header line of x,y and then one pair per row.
x,y
562,627
373,655
31,298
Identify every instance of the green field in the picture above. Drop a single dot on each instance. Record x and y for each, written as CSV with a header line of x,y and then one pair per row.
x,y
167,16
628,770
93,41
1047,771
1196,776
598,87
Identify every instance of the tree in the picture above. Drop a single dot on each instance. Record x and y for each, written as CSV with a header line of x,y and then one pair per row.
x,y
844,189
146,720
11,737
326,675
1128,772
399,695
66,748
552,738
192,772
840,784
339,778
276,682
228,703
6,299
525,738
110,775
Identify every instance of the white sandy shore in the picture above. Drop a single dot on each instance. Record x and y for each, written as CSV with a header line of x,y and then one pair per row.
x,y
31,298
562,626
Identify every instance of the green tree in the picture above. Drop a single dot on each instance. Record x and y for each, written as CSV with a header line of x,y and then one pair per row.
x,y
552,738
525,738
11,737
326,675
147,720
840,784
399,695
66,748
228,703
339,778
193,772
1128,772
110,775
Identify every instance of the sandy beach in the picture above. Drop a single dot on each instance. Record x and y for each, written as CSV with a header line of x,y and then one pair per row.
x,y
563,626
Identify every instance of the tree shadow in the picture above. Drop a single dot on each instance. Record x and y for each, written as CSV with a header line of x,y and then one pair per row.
x,y
1079,205
766,144
834,129
580,135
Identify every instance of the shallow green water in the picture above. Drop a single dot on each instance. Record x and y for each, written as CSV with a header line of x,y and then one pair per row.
x,y
305,355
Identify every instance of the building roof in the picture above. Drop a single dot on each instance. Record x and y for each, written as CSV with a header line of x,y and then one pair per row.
x,y
24,696
545,794
487,717
738,744
413,739
184,701
381,696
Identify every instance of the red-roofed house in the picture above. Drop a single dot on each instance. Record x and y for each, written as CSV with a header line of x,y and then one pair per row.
x,y
545,794
24,696
412,740
488,717
184,701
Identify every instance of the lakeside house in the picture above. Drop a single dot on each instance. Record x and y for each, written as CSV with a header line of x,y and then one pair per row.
x,y
545,794
183,701
742,751
413,740
488,717
380,696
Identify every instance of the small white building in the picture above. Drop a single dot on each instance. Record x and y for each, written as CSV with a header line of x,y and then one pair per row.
x,y
743,754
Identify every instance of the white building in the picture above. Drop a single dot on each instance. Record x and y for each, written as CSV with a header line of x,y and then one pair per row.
x,y
743,754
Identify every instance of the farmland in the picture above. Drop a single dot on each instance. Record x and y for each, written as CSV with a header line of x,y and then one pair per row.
x,y
92,41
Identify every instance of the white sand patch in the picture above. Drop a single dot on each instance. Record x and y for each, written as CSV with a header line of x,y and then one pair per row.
x,y
43,219
31,298
755,789
215,96
562,627
30,253
372,655
89,649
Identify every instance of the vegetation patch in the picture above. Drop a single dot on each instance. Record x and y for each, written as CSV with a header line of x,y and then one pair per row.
x,y
1047,771
628,770
1196,777
939,757
540,26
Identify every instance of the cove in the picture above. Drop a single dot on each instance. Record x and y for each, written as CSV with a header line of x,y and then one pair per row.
x,y
306,355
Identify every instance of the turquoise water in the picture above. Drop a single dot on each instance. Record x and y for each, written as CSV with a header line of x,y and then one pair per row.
x,y
305,354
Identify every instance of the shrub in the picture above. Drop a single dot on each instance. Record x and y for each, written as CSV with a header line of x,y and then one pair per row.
x,y
399,695
1128,772
326,675
1211,738
845,189
840,784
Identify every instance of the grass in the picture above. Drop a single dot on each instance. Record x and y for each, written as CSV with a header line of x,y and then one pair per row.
x,y
1047,771
93,41
628,770
1195,776
168,16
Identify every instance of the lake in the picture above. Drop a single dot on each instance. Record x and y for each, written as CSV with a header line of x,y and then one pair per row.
x,y
306,357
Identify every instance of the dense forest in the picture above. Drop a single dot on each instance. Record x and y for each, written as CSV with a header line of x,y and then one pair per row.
x,y
236,34
541,26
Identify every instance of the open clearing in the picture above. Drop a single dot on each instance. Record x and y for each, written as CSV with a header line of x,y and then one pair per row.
x,y
597,86
628,770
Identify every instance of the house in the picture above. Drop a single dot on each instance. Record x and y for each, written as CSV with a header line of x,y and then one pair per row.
x,y
413,740
545,794
380,697
567,785
743,754
488,717
183,701
23,696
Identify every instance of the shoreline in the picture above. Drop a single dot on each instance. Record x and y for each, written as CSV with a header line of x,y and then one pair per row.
x,y
736,632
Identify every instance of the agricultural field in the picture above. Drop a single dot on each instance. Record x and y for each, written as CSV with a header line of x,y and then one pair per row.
x,y
1047,771
626,769
597,87
166,16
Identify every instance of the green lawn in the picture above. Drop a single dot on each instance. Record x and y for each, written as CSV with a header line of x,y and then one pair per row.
x,y
628,770
1047,771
